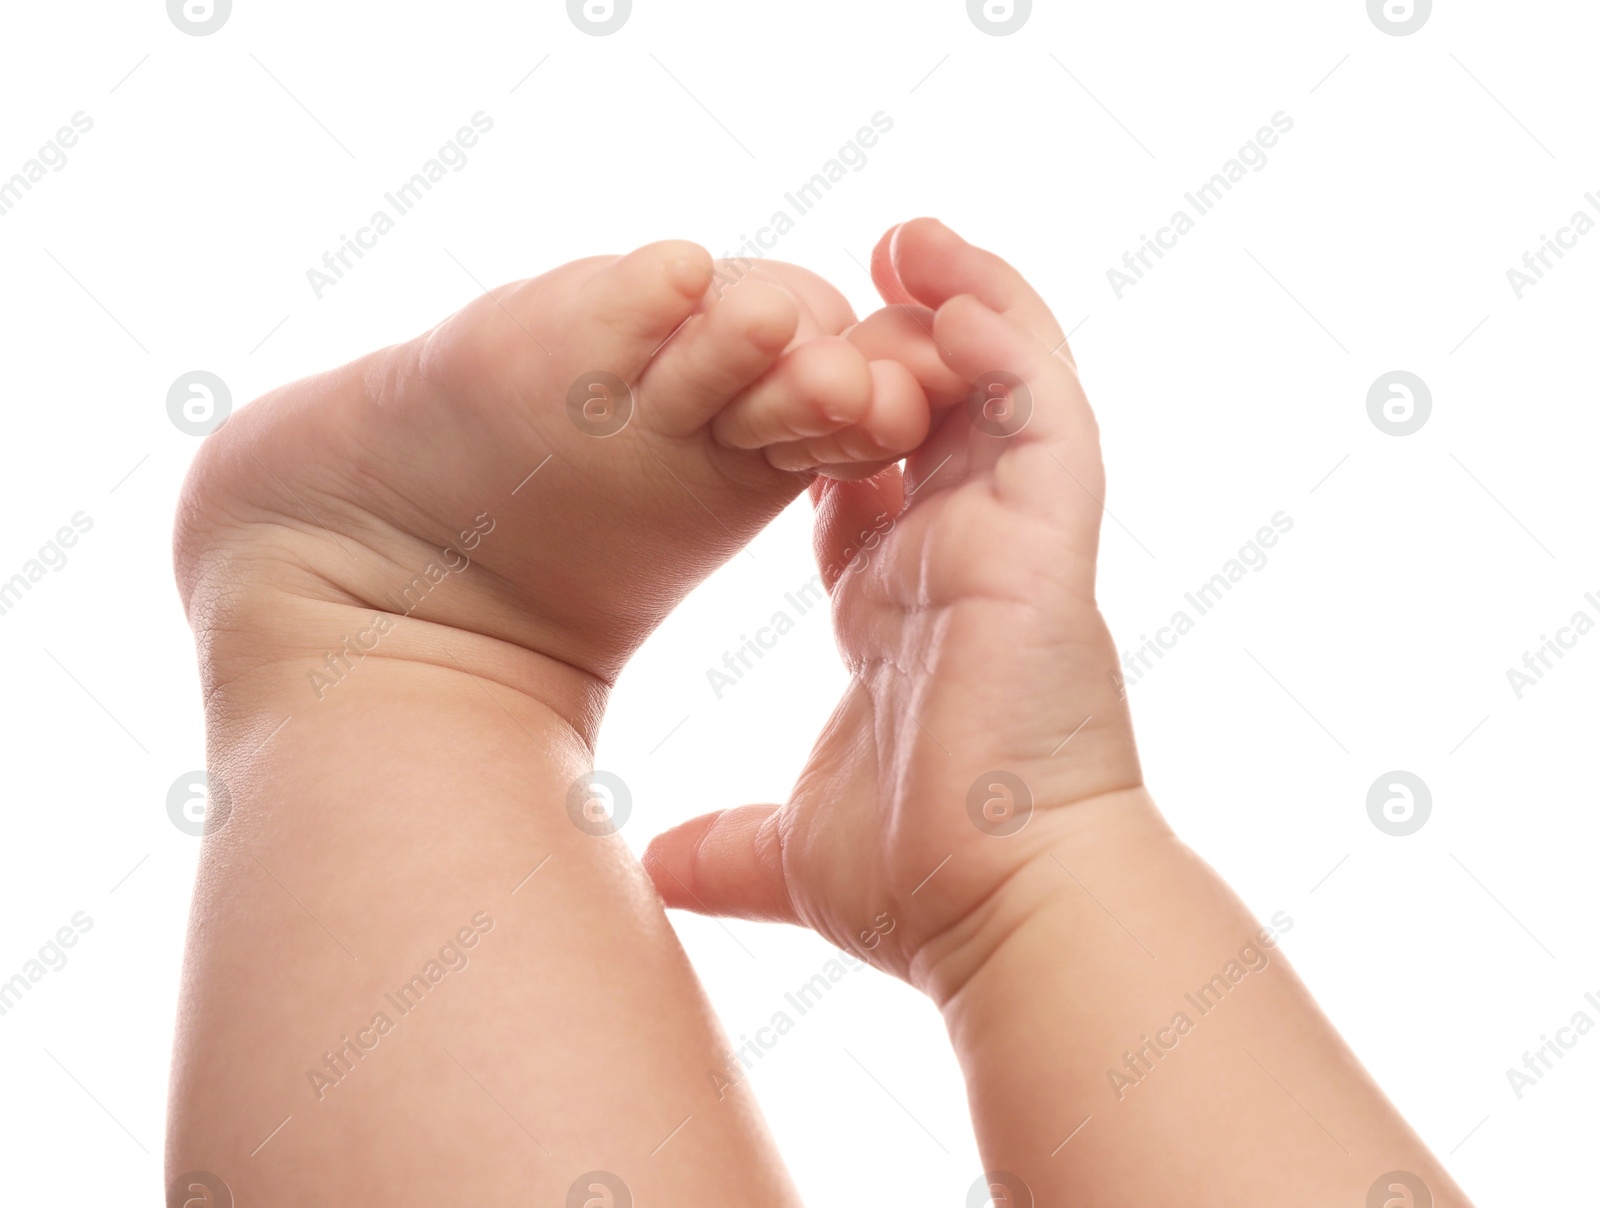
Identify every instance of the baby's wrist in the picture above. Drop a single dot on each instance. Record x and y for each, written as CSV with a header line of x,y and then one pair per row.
x,y
1076,841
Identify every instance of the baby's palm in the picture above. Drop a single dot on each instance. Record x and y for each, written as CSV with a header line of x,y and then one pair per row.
x,y
984,690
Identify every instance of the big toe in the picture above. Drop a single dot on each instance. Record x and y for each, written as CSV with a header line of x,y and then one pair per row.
x,y
626,310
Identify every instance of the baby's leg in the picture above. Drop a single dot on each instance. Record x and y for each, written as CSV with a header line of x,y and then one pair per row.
x,y
415,973
414,979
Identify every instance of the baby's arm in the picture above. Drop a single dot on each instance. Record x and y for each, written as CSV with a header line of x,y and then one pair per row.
x,y
1131,1036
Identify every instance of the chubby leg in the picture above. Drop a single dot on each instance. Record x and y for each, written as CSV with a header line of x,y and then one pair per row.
x,y
420,971
413,970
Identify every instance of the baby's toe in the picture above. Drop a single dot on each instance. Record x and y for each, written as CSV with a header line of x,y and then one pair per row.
x,y
816,388
625,311
895,422
717,354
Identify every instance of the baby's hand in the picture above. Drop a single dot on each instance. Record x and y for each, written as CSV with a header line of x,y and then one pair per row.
x,y
985,717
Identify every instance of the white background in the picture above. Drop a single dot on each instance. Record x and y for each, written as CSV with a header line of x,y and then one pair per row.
x,y
1231,384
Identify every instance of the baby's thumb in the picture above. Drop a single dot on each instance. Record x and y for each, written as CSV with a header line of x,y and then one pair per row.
x,y
727,863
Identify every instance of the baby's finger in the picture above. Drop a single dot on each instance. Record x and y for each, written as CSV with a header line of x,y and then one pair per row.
x,y
821,487
1018,392
853,519
1029,425
729,863
924,261
905,334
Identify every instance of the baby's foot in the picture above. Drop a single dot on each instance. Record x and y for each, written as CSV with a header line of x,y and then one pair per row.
x,y
554,467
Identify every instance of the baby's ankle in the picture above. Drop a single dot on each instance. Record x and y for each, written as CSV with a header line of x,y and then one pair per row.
x,y
276,638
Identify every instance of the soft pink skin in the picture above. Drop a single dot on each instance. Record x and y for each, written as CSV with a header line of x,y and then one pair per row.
x,y
967,618
347,479
383,798
376,817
